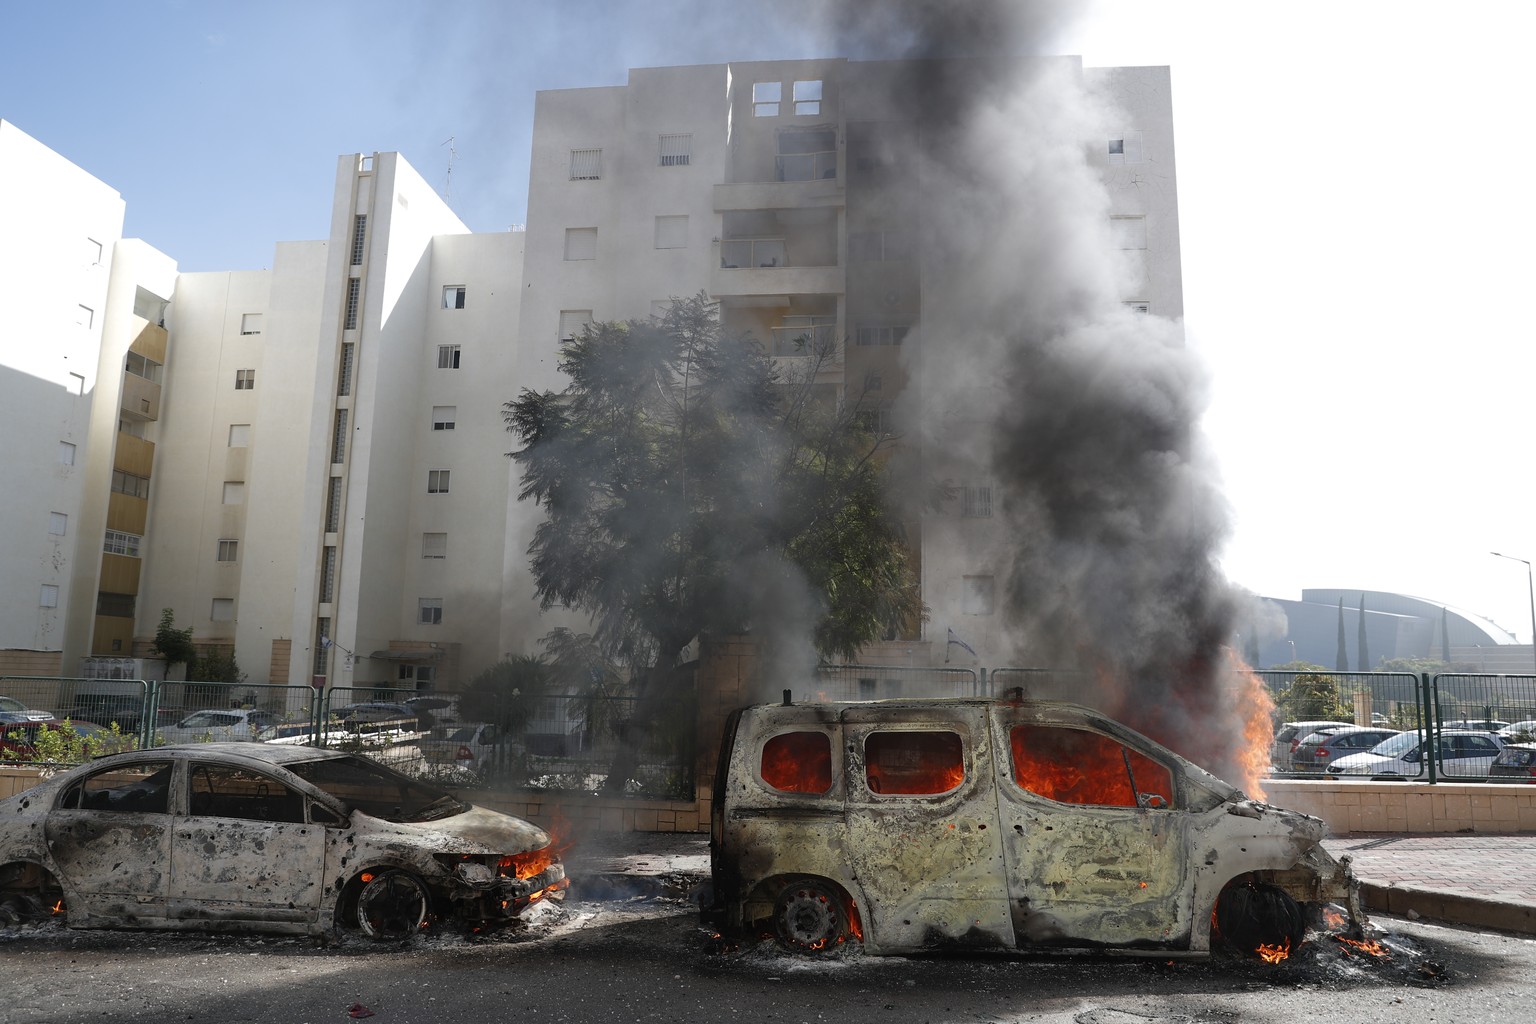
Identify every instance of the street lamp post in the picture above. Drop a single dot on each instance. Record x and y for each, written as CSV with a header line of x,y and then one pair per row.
x,y
1530,588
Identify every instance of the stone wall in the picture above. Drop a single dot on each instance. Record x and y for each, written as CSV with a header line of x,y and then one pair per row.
x,y
1408,806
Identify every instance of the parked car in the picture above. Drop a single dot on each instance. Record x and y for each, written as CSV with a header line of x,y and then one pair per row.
x,y
1476,724
1515,763
13,710
1315,752
222,725
468,749
1289,735
920,825
377,716
319,840
1462,754
1520,731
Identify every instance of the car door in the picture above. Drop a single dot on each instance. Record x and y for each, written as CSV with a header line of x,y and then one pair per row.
x,y
1096,843
922,835
1467,756
243,850
109,839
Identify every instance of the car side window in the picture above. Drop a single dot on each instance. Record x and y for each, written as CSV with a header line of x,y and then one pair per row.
x,y
913,763
230,791
1075,766
142,788
798,762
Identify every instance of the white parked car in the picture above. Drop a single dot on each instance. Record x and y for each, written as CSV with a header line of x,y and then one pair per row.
x,y
222,726
1523,730
1462,754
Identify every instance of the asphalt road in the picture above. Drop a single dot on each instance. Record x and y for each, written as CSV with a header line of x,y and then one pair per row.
x,y
646,961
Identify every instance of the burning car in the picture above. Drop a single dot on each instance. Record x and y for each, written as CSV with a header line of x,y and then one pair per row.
x,y
924,824
237,836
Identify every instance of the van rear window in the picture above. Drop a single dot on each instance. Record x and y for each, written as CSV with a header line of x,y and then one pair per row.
x,y
1074,766
913,762
798,762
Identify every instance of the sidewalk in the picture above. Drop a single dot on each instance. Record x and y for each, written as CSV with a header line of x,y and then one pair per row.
x,y
1481,881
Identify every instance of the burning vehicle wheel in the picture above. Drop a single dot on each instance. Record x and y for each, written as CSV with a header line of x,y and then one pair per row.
x,y
1260,920
392,905
28,895
808,917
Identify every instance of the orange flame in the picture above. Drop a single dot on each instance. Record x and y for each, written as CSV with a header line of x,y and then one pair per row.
x,y
1369,947
1273,954
533,862
1332,919
58,908
1257,709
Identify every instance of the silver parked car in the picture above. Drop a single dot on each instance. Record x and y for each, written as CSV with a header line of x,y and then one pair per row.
x,y
1289,736
222,726
258,837
1315,752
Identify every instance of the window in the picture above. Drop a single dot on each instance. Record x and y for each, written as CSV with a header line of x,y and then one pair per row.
x,y
766,97
1075,766
434,545
333,506
223,609
976,501
328,575
66,454
141,367
976,595
322,643
1129,232
581,243
913,762
92,252
250,323
880,420
133,428
437,481
239,435
453,296
807,154
429,611
880,334
359,235
234,492
1139,306
873,382
676,150
808,97
447,357
119,543
117,606
77,383
573,322
344,378
444,416
85,316
229,791
48,597
127,483
245,380
339,438
354,292
1126,149
133,789
879,247
672,232
798,762
586,164
58,524
229,551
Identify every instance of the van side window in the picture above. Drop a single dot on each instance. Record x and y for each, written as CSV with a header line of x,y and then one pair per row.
x,y
913,762
798,762
1074,766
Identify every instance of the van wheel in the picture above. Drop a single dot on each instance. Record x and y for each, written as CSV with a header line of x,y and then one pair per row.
x,y
808,917
391,906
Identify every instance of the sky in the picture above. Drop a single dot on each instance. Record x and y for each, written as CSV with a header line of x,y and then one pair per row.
x,y
1357,263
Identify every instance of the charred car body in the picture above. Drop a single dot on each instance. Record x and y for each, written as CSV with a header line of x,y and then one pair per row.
x,y
238,836
920,825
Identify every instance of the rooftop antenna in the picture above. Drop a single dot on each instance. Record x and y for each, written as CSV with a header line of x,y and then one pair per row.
x,y
448,181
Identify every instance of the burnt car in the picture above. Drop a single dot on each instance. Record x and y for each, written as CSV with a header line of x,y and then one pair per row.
x,y
920,825
238,836
1515,763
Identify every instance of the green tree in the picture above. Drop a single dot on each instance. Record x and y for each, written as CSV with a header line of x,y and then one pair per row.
x,y
690,488
172,644
1314,696
507,694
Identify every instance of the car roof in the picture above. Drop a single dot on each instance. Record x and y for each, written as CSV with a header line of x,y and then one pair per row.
x,y
263,753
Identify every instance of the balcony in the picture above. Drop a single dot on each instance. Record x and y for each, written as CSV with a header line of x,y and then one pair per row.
x,y
141,397
763,266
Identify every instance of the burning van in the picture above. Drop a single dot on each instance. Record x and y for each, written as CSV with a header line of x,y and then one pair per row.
x,y
919,825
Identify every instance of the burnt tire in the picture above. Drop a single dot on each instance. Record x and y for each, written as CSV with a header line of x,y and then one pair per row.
x,y
1251,915
392,906
28,895
809,917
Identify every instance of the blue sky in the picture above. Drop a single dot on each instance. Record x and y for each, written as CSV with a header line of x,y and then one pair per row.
x,y
1357,242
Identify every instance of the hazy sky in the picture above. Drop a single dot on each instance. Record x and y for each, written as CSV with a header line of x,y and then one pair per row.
x,y
1358,266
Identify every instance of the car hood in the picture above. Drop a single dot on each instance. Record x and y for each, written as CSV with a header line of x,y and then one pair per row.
x,y
478,830
1362,763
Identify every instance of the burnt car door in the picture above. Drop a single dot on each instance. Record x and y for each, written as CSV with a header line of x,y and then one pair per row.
x,y
922,834
1096,843
243,850
109,838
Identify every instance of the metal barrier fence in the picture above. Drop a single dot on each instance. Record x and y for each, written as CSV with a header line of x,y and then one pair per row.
x,y
883,682
1033,682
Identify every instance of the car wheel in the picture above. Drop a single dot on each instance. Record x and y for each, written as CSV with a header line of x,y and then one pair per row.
x,y
392,905
1255,918
28,895
808,917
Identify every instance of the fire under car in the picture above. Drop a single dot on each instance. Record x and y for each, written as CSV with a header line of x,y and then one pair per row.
x,y
259,837
923,825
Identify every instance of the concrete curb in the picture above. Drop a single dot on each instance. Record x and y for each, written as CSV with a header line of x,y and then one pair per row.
x,y
1450,908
